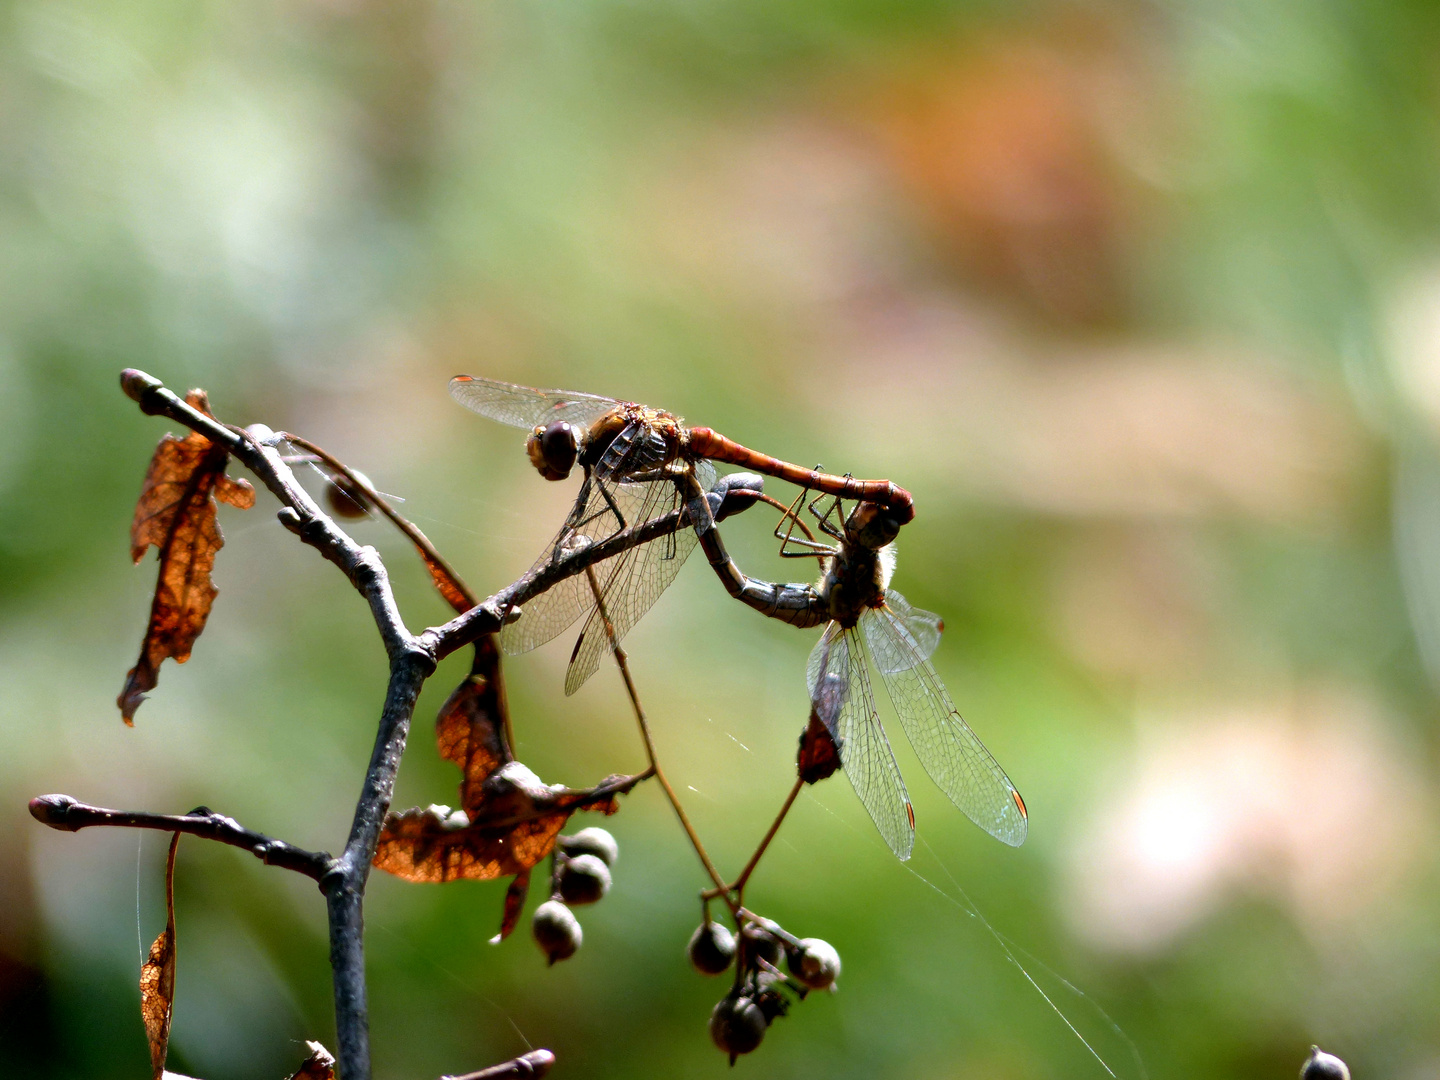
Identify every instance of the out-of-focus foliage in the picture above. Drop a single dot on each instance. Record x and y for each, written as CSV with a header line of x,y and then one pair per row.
x,y
1142,301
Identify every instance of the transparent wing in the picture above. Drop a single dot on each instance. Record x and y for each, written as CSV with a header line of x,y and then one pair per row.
x,y
602,508
840,693
952,754
526,407
594,517
918,631
631,583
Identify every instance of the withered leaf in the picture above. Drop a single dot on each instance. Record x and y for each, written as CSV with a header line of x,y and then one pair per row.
x,y
508,819
320,1065
157,976
176,514
470,728
450,590
819,757
514,905
512,828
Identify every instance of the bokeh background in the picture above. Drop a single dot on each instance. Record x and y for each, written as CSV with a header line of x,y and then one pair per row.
x,y
1142,300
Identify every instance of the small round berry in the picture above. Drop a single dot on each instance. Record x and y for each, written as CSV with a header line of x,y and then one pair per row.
x,y
815,963
583,880
761,944
592,841
1322,1066
737,1025
345,499
711,949
556,930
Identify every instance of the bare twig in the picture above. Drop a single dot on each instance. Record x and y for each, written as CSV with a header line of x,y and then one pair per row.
x,y
622,661
534,1064
738,886
63,812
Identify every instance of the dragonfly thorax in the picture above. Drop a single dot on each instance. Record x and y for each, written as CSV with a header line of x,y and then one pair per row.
x,y
659,425
858,574
854,581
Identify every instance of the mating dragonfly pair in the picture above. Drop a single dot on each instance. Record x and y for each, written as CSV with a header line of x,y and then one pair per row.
x,y
639,464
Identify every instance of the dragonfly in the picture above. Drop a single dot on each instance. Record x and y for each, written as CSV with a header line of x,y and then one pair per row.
x,y
862,615
637,464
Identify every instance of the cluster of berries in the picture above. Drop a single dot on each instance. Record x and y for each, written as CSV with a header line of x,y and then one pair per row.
x,y
740,1019
580,875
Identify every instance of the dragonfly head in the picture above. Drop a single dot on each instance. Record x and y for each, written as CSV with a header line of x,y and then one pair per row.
x,y
553,449
872,526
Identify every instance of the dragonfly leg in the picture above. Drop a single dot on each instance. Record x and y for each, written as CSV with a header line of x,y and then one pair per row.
x,y
671,544
813,548
610,501
835,509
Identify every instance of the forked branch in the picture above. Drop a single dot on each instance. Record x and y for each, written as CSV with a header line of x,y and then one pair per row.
x,y
412,660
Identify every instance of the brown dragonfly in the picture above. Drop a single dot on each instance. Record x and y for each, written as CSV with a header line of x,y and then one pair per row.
x,y
862,614
638,463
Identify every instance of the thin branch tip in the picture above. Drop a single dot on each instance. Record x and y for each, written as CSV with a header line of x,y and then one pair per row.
x,y
136,383
54,811
71,815
529,1066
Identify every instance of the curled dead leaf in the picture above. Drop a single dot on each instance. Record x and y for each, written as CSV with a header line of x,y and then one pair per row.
x,y
819,756
514,905
157,976
176,513
470,730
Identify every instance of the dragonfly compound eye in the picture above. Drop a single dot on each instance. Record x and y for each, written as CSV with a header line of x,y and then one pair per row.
x,y
552,449
872,526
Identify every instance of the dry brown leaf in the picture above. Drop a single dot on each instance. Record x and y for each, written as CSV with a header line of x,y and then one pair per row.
x,y
513,828
508,819
157,976
819,757
176,514
320,1065
450,590
514,905
469,731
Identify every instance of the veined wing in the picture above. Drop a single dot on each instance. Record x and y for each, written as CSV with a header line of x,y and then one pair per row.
x,y
602,508
840,693
952,754
631,583
525,406
918,631
591,520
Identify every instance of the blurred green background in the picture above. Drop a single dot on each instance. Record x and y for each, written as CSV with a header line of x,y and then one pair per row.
x,y
1141,300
